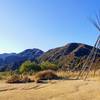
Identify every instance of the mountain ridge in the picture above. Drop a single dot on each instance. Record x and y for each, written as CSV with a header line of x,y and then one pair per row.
x,y
62,56
69,54
13,60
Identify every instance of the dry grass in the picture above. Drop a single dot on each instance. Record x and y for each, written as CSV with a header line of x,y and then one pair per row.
x,y
48,75
37,77
14,79
4,75
26,79
59,90
0,77
66,74
45,75
73,75
18,79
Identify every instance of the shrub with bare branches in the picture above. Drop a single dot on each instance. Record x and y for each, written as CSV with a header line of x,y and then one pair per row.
x,y
45,75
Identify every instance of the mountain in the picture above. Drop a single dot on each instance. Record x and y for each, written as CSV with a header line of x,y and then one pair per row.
x,y
69,55
31,54
4,55
11,61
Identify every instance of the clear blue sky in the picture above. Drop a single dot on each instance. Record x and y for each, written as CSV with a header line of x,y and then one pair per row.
x,y
46,24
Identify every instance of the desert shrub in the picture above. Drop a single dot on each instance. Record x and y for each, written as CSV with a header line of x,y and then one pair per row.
x,y
14,79
0,77
48,65
25,79
29,66
18,79
5,75
45,75
63,74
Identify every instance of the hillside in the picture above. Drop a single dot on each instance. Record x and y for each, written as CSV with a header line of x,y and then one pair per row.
x,y
13,60
68,56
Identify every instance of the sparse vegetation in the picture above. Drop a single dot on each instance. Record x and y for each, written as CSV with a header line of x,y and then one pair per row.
x,y
5,75
0,77
26,79
14,79
28,67
48,65
18,79
45,75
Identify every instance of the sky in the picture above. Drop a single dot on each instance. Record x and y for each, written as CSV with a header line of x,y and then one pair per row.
x,y
46,24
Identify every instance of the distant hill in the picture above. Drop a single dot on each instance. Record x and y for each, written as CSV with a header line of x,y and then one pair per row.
x,y
67,56
12,61
4,55
31,54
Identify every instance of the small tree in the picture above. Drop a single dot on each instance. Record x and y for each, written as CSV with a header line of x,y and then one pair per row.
x,y
29,66
48,65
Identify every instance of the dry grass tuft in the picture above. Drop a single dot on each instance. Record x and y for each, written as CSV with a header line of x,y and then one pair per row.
x,y
18,79
1,78
45,75
62,74
66,74
26,79
73,75
14,79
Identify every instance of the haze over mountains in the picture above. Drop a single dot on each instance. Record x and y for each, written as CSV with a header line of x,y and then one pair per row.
x,y
12,61
63,56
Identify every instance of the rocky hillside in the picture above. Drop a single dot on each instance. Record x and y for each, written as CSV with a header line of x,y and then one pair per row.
x,y
69,55
13,60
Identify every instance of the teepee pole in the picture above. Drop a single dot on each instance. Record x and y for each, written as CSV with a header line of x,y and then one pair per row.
x,y
86,68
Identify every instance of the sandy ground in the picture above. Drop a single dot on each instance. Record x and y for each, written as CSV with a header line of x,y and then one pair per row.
x,y
54,90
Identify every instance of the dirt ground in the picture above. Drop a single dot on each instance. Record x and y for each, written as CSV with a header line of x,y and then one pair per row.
x,y
53,90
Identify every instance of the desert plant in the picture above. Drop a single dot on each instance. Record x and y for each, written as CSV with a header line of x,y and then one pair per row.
x,y
18,79
25,79
5,74
62,74
45,75
67,74
0,77
14,79
29,66
48,65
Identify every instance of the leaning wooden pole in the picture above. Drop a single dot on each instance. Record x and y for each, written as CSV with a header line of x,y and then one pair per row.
x,y
87,66
94,57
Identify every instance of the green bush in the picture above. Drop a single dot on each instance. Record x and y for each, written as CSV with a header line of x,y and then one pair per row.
x,y
29,66
48,65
